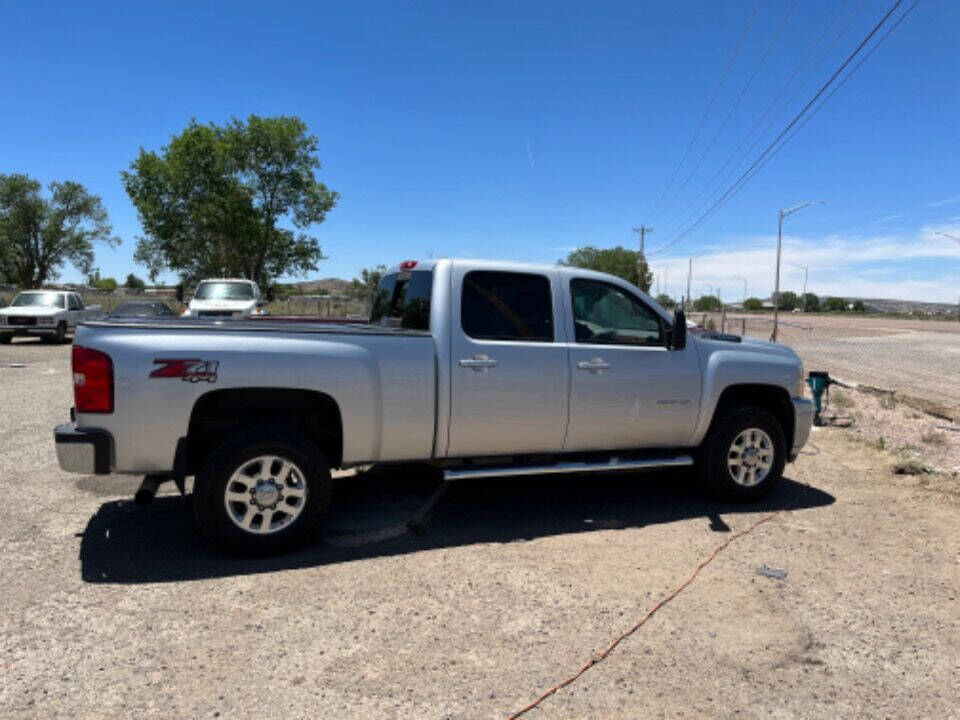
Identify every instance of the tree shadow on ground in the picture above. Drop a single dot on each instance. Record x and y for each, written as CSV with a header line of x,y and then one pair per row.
x,y
124,543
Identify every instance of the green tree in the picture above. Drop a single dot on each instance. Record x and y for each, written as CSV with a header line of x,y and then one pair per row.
x,y
364,287
859,307
617,261
811,303
834,304
39,235
707,303
134,283
753,304
107,284
789,301
665,301
214,200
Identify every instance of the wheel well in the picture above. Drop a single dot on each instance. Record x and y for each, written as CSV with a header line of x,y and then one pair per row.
x,y
775,400
222,412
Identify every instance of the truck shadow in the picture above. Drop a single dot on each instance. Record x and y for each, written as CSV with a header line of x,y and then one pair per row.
x,y
124,543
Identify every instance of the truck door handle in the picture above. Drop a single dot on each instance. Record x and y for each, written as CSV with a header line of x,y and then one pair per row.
x,y
594,365
479,363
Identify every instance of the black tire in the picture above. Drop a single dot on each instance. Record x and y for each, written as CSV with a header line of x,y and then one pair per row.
x,y
6,339
243,448
713,458
61,336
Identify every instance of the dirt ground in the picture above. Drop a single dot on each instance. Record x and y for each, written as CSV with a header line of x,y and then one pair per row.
x,y
918,358
113,610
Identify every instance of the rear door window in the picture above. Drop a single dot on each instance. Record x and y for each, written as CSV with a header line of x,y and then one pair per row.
x,y
507,306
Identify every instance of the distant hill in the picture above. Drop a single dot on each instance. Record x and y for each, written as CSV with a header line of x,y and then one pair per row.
x,y
326,286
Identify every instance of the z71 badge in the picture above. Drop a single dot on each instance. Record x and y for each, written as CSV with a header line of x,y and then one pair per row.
x,y
191,369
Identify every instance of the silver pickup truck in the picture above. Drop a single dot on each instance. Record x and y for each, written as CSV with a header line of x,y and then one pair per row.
x,y
481,368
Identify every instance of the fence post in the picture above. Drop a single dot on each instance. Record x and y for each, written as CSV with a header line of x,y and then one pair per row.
x,y
723,319
743,327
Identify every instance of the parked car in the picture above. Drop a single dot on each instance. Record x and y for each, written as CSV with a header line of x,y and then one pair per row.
x,y
225,298
481,368
47,314
142,309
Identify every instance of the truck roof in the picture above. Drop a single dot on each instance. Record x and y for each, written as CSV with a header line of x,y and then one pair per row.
x,y
236,280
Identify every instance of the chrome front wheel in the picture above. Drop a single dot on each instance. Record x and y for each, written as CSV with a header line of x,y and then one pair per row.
x,y
750,457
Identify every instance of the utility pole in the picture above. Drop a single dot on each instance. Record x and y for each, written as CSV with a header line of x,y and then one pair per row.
x,y
776,285
957,239
642,232
744,304
689,276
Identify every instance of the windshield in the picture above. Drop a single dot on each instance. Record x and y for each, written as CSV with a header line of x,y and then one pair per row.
x,y
224,291
47,299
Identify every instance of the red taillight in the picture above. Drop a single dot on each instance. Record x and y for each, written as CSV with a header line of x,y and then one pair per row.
x,y
408,264
92,381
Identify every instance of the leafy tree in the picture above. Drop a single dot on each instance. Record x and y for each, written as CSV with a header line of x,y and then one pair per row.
x,y
364,287
212,201
134,283
106,284
858,306
707,303
617,261
834,304
665,301
789,300
39,235
811,303
753,304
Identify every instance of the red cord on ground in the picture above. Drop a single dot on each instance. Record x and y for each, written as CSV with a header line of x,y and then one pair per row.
x,y
679,589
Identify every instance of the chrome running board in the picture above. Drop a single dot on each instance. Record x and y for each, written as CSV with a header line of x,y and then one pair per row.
x,y
611,465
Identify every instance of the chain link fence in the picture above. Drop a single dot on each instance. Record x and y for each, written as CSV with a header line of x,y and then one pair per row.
x,y
918,359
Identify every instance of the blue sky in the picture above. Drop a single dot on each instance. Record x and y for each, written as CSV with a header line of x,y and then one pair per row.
x,y
518,130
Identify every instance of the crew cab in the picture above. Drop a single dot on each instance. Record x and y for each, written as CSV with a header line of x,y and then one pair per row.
x,y
47,314
481,368
225,298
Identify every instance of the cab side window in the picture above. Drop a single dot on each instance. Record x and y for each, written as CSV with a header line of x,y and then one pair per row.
x,y
608,315
507,306
74,302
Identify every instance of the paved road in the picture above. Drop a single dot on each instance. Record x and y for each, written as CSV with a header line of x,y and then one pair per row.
x,y
115,611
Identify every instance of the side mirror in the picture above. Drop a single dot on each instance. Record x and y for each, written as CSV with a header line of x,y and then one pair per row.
x,y
180,294
678,339
271,293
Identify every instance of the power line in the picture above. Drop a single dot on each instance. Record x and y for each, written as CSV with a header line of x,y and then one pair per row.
x,y
736,103
842,82
708,189
706,111
749,172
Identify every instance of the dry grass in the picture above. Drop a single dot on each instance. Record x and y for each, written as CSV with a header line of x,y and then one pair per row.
x,y
934,437
841,400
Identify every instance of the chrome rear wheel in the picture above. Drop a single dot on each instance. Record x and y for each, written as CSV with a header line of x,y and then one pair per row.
x,y
265,494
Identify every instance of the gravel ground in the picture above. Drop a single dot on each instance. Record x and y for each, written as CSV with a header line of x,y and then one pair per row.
x,y
919,358
113,610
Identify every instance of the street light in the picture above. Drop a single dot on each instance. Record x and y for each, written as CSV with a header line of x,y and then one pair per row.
x,y
776,292
690,275
804,296
952,237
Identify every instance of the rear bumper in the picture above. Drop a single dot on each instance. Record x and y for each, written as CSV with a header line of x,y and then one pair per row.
x,y
86,451
803,411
